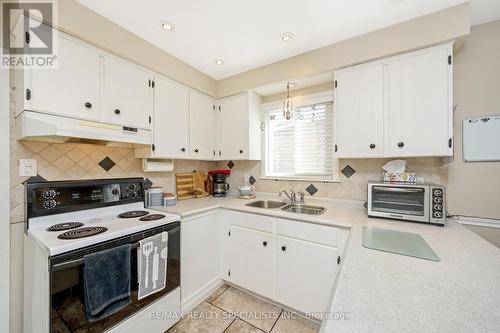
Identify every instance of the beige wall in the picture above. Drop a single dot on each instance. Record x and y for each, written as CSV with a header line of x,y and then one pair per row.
x,y
87,25
474,188
423,31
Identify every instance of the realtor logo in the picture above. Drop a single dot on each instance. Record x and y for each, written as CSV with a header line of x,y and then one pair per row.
x,y
27,37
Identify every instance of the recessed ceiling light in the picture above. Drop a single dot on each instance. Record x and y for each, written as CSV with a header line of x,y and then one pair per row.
x,y
219,62
166,25
286,36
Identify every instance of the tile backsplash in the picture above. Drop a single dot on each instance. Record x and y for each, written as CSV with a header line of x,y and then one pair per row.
x,y
353,181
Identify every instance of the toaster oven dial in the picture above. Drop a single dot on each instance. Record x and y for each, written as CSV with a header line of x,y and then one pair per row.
x,y
438,200
437,193
438,207
437,215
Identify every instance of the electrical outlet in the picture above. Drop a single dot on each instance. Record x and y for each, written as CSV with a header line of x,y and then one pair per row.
x,y
27,168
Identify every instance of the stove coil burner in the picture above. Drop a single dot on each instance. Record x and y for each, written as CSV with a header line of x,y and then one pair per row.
x,y
133,213
65,226
82,232
152,217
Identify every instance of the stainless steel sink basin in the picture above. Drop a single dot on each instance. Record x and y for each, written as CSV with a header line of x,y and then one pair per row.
x,y
304,209
269,204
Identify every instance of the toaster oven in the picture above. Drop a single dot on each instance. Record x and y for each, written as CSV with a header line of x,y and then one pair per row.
x,y
404,201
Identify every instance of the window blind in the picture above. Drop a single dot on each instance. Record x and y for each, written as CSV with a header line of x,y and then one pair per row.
x,y
302,146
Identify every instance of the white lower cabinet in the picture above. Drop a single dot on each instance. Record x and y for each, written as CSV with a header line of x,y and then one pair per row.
x,y
250,264
200,257
305,274
293,263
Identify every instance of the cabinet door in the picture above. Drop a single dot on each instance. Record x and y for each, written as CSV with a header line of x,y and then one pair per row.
x,y
420,104
233,128
171,119
305,274
127,94
73,88
202,126
250,260
200,254
359,106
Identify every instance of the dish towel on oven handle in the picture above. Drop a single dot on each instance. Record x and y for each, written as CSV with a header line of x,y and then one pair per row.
x,y
106,278
152,255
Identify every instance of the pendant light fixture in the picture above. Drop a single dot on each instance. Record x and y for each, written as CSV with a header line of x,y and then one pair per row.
x,y
288,104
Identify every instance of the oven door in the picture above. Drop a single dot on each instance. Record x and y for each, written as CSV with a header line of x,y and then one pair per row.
x,y
405,202
66,282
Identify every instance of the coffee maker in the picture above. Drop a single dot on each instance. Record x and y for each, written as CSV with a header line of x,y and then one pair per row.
x,y
219,186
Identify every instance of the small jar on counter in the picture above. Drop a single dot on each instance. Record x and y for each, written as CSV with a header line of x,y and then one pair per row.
x,y
169,199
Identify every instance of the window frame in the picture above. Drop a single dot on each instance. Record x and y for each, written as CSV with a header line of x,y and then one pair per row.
x,y
300,101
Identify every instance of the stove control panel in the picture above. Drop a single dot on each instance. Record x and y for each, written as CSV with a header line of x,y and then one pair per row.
x,y
55,197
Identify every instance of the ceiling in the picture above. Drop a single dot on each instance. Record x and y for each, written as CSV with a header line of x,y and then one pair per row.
x,y
246,34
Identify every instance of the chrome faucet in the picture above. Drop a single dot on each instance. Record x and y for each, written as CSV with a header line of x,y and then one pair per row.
x,y
292,196
301,196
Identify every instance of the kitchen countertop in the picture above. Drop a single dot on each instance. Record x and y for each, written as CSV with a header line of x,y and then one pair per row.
x,y
385,292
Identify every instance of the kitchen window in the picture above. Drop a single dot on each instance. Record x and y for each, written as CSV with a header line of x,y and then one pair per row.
x,y
300,148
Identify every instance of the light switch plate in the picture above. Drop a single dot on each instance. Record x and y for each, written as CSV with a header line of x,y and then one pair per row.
x,y
27,168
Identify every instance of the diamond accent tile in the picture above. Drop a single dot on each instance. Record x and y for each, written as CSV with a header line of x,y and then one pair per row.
x,y
348,171
230,164
252,180
311,189
107,163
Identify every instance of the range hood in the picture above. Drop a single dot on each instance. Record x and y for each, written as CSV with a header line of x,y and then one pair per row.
x,y
36,126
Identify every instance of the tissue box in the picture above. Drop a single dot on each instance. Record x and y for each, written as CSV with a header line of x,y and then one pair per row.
x,y
407,177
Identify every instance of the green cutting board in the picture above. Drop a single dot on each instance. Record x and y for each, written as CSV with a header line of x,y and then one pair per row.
x,y
399,242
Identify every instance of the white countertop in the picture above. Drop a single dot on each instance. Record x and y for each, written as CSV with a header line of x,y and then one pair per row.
x,y
385,292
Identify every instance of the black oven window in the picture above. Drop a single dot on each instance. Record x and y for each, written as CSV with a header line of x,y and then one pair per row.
x,y
67,297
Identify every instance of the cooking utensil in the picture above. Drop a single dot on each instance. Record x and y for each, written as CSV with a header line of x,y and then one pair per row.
x,y
156,263
146,250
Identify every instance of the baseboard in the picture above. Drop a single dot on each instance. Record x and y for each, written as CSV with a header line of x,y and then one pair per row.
x,y
198,296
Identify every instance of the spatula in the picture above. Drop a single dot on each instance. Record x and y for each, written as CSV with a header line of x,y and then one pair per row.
x,y
146,250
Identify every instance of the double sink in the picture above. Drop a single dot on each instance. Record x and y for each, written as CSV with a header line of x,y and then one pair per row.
x,y
290,208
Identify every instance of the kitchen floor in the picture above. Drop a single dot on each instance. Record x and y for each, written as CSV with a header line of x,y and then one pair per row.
x,y
231,310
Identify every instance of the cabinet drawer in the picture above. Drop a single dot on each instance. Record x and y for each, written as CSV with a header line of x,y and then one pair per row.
x,y
307,231
250,221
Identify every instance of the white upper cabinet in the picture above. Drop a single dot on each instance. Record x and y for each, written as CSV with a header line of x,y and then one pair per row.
x,y
170,119
73,89
202,126
420,107
396,107
239,128
359,116
127,93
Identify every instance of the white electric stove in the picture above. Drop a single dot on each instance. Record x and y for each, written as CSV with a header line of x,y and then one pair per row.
x,y
67,220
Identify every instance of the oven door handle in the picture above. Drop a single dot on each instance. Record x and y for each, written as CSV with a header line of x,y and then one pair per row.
x,y
398,189
80,261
